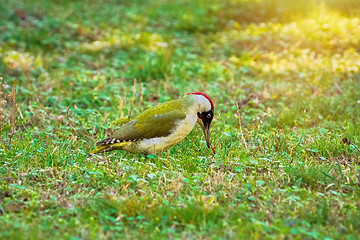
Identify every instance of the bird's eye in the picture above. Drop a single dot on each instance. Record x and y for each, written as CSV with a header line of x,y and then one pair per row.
x,y
209,115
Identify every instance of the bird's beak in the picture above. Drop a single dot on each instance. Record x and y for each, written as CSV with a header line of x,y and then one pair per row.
x,y
206,129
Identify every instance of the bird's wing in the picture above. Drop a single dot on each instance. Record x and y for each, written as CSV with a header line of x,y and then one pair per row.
x,y
155,122
159,125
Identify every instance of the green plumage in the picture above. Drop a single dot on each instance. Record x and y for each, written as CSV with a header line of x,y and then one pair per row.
x,y
154,122
158,121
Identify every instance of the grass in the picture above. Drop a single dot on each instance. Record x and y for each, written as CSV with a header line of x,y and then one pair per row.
x,y
285,81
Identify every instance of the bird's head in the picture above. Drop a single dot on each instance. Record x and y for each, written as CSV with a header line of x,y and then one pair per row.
x,y
205,113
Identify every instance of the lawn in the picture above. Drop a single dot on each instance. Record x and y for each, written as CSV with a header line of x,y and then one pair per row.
x,y
285,80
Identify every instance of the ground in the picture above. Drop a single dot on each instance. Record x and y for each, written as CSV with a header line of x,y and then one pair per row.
x,y
284,78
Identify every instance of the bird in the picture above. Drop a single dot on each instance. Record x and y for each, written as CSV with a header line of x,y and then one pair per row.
x,y
159,128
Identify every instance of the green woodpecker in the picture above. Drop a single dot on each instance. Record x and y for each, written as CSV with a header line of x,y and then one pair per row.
x,y
161,127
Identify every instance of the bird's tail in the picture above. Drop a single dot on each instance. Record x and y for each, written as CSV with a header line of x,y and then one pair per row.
x,y
107,145
100,149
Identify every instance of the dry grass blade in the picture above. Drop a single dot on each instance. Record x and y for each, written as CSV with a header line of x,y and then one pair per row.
x,y
133,99
1,102
240,126
72,125
13,114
